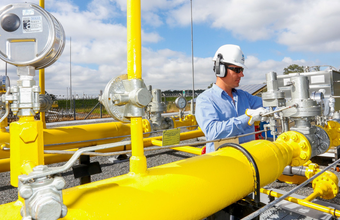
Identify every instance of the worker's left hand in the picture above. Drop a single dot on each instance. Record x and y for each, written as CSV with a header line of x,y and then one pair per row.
x,y
255,114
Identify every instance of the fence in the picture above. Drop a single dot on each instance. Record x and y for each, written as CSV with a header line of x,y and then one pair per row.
x,y
68,110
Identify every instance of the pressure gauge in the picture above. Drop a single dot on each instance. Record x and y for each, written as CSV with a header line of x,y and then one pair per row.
x,y
181,102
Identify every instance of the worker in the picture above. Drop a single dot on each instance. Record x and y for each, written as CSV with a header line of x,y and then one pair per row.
x,y
221,109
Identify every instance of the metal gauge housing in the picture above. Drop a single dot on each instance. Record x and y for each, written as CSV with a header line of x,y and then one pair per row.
x,y
181,102
30,36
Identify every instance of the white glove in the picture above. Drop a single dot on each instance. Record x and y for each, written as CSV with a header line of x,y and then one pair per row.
x,y
255,114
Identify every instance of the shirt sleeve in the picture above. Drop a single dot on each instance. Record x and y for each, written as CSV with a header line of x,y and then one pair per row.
x,y
212,126
254,101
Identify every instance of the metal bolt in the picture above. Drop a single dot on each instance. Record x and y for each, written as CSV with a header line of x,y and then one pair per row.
x,y
25,191
303,156
63,211
295,138
295,162
59,182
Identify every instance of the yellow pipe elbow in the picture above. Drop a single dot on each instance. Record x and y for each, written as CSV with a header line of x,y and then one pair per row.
x,y
326,185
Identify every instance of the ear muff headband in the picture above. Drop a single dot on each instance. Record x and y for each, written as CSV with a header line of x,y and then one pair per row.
x,y
219,67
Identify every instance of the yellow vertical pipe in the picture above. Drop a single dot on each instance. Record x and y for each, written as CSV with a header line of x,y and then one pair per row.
x,y
134,40
134,69
27,147
42,78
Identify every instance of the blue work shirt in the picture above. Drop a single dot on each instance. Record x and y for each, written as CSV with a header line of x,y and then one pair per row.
x,y
219,116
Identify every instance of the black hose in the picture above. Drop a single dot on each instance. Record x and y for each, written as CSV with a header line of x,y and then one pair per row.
x,y
252,161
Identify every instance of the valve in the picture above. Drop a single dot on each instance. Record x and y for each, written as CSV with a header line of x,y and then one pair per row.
x,y
43,196
124,98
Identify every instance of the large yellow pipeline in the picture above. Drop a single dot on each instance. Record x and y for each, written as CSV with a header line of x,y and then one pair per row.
x,y
86,135
188,189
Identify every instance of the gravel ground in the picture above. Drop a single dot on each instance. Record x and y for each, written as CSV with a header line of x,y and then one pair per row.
x,y
154,158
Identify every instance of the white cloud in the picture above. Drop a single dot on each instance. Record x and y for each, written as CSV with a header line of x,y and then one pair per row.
x,y
99,47
301,25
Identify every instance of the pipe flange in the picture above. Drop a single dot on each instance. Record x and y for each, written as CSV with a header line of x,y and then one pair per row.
x,y
302,149
327,185
323,139
192,119
333,130
147,127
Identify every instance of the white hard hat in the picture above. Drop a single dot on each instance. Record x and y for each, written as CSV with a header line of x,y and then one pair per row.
x,y
231,54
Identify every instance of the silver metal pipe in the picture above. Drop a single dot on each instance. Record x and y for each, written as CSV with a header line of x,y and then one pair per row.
x,y
71,161
145,149
280,110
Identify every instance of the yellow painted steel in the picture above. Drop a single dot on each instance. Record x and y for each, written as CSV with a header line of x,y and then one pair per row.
x,y
27,146
138,159
188,120
187,149
77,132
303,202
333,130
325,186
42,78
300,145
195,188
134,40
134,70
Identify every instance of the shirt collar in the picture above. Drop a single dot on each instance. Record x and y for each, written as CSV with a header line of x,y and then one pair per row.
x,y
220,91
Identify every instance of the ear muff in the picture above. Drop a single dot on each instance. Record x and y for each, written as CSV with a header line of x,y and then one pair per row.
x,y
219,67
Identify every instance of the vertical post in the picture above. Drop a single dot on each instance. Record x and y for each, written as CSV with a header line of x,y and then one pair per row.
x,y
101,106
134,68
85,159
42,78
192,65
74,110
70,78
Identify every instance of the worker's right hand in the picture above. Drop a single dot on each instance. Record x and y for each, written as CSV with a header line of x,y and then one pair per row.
x,y
255,114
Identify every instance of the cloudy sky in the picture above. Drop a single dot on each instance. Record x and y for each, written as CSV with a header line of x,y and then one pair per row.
x,y
273,34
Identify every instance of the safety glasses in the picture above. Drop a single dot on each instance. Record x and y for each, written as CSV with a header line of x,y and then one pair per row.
x,y
235,69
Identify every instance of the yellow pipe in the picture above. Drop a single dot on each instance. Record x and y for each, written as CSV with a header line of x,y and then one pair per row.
x,y
187,149
42,3
121,127
27,149
196,187
134,40
42,78
312,196
303,202
134,69
138,160
188,120
78,133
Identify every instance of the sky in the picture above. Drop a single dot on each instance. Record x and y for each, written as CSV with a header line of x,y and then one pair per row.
x,y
272,34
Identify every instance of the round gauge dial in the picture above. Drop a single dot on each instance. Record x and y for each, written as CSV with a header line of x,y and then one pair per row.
x,y
181,102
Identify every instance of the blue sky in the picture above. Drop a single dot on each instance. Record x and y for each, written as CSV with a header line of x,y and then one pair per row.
x,y
272,34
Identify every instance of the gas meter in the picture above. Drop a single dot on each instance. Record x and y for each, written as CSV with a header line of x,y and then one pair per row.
x,y
30,36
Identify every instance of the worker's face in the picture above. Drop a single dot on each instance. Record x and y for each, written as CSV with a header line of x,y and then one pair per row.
x,y
233,78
